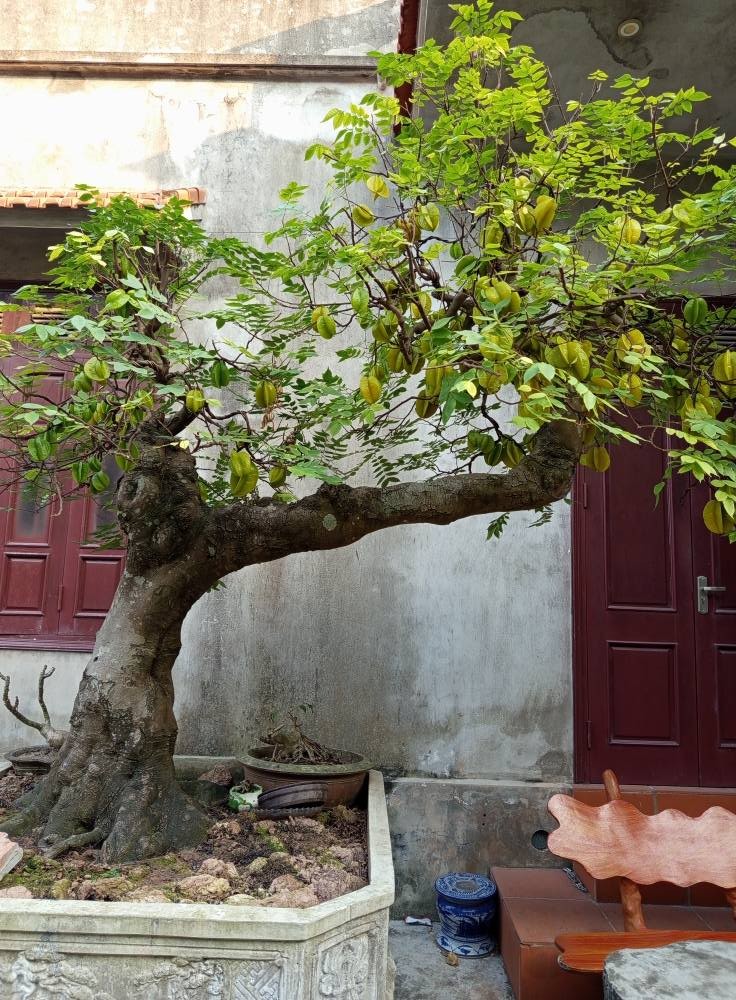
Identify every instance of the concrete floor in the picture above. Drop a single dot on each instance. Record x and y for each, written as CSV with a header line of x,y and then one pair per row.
x,y
423,974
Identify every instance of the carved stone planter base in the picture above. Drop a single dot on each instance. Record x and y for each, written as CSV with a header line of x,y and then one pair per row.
x,y
76,950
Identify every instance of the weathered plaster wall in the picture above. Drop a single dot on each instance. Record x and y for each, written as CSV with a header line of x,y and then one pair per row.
x,y
429,649
216,29
680,44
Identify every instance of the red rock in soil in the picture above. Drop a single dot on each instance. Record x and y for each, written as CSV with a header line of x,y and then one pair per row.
x,y
226,828
106,889
147,895
300,899
306,823
289,891
331,883
204,888
285,883
222,869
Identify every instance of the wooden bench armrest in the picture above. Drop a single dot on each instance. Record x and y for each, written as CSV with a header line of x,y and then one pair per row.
x,y
588,952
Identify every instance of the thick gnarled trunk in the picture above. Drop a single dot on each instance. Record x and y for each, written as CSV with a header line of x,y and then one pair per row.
x,y
113,781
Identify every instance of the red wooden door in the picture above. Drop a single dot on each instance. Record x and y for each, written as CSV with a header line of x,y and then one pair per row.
x,y
635,639
655,678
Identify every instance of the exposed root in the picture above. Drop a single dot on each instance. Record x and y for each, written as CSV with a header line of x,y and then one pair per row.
x,y
149,815
74,842
291,745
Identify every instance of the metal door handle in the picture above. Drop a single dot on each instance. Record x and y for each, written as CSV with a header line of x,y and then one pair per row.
x,y
703,591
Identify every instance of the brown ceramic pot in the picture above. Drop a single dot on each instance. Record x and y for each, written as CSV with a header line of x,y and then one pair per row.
x,y
342,781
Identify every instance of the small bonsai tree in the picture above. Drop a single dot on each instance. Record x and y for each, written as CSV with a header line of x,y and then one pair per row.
x,y
289,744
510,286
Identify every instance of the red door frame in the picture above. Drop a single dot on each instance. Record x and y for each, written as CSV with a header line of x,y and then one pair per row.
x,y
579,653
713,641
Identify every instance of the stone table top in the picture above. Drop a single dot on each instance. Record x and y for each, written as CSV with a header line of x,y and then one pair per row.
x,y
688,970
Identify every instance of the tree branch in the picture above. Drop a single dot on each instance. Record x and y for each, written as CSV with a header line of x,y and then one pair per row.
x,y
54,737
334,516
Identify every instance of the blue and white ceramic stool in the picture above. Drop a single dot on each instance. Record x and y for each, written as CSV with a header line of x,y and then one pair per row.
x,y
466,903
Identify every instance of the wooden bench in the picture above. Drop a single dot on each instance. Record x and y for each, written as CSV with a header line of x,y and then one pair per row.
x,y
617,840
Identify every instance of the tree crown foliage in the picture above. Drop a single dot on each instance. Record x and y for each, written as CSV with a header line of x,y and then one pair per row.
x,y
490,264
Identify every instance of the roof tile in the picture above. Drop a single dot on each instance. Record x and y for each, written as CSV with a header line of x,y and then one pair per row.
x,y
71,198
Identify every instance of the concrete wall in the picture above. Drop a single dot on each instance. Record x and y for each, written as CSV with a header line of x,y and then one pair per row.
x,y
307,30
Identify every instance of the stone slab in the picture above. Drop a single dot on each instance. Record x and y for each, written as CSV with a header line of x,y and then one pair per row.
x,y
440,825
155,951
690,970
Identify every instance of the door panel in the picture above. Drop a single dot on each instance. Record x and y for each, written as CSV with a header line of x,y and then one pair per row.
x,y
639,557
653,717
91,573
635,638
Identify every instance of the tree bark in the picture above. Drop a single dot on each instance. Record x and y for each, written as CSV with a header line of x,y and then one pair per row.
x,y
113,781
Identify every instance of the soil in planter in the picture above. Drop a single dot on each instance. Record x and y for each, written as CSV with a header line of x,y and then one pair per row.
x,y
243,861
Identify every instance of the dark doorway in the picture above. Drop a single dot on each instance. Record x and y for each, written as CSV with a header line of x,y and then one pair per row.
x,y
655,655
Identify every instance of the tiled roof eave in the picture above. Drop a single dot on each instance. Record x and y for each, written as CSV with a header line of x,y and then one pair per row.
x,y
72,198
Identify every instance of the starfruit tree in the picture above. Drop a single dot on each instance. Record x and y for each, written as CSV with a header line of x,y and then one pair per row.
x,y
492,289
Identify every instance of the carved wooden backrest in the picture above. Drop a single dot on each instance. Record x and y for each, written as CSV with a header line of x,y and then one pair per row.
x,y
616,839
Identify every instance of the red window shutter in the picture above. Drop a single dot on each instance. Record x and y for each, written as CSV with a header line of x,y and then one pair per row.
x,y
30,570
56,583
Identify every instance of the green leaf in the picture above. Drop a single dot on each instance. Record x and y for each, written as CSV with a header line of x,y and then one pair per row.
x,y
495,528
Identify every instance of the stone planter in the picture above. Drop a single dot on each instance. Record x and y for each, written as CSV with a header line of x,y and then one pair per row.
x,y
123,951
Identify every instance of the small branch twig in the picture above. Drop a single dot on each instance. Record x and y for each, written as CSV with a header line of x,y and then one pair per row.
x,y
45,672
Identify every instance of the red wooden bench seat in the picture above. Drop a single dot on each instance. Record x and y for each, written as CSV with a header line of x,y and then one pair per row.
x,y
616,839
